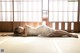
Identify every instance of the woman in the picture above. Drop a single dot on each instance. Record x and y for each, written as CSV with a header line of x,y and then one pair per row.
x,y
48,32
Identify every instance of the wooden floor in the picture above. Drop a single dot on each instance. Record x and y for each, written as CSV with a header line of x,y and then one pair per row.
x,y
39,44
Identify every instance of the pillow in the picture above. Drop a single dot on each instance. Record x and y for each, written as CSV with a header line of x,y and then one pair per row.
x,y
30,31
44,30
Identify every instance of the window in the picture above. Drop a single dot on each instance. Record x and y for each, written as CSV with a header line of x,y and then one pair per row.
x,y
24,10
6,12
45,9
63,10
35,10
27,10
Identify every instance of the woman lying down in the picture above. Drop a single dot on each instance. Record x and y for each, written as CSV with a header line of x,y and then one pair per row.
x,y
42,30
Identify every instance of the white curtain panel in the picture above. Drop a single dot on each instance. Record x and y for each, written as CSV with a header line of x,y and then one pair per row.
x,y
63,10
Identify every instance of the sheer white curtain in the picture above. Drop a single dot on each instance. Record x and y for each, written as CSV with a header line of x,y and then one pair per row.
x,y
6,10
63,10
31,10
28,10
24,10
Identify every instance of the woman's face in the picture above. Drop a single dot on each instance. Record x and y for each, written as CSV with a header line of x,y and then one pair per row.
x,y
21,30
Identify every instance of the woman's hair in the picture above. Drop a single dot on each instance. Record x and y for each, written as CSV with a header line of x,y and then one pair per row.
x,y
19,30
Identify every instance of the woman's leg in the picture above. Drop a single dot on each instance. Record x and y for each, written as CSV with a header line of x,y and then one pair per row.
x,y
72,35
